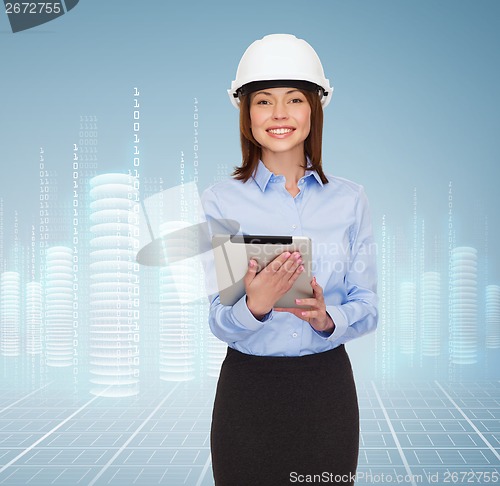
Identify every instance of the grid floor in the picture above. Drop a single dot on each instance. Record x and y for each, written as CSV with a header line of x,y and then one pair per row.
x,y
412,433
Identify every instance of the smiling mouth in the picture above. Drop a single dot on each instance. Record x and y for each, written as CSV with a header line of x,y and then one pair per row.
x,y
280,131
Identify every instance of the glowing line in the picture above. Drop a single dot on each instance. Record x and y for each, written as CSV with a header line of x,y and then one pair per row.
x,y
131,438
24,398
490,447
41,439
394,436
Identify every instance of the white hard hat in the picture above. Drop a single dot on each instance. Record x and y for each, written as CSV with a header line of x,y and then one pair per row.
x,y
279,60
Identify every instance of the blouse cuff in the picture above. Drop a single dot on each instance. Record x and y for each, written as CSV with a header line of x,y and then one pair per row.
x,y
242,314
340,321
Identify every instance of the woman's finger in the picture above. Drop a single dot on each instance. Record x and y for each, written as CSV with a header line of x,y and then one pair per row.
x,y
317,289
291,264
295,275
310,314
312,302
278,262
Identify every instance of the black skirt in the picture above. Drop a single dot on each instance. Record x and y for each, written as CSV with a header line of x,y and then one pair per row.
x,y
277,420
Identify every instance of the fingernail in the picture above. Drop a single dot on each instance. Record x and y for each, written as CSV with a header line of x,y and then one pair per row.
x,y
287,254
303,313
297,301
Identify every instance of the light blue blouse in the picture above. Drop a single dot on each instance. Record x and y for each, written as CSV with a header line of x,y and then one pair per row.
x,y
336,217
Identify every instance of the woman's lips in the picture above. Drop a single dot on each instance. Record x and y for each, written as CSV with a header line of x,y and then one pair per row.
x,y
280,132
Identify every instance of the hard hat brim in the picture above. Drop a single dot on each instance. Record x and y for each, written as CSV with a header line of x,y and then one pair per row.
x,y
278,83
254,86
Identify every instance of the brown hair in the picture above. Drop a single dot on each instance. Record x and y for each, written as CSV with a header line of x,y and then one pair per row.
x,y
251,150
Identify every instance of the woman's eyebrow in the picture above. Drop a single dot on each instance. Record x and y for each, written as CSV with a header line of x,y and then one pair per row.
x,y
270,94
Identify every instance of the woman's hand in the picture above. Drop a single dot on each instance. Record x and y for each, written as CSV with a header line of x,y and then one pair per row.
x,y
316,315
275,280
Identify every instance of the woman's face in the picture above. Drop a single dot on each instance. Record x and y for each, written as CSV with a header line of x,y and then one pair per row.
x,y
280,120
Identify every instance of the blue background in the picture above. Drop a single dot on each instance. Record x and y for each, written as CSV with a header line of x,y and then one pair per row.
x,y
415,107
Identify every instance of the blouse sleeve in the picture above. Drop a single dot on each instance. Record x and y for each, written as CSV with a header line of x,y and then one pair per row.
x,y
359,314
228,323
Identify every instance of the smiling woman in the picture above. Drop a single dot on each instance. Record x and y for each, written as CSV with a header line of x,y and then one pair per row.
x,y
286,399
251,147
282,114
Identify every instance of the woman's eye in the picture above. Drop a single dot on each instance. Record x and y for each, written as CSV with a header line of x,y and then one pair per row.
x,y
262,102
296,100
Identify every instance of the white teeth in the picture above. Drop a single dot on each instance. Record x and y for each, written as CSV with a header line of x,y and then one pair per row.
x,y
280,131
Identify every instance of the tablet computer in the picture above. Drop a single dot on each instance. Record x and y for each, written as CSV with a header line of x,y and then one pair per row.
x,y
232,253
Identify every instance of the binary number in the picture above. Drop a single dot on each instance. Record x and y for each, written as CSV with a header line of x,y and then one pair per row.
x,y
133,267
76,217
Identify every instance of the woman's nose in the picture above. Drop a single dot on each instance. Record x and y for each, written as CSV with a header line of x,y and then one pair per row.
x,y
280,111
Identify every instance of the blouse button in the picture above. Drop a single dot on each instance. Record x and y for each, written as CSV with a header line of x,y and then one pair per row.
x,y
294,335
